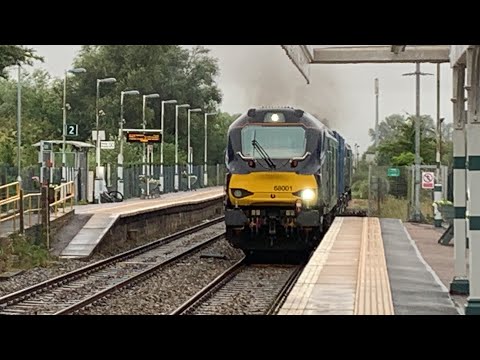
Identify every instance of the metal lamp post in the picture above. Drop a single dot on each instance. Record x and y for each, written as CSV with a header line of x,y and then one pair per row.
x,y
144,125
64,132
356,155
146,157
19,127
19,144
120,154
189,152
162,139
417,74
377,91
205,171
176,185
97,142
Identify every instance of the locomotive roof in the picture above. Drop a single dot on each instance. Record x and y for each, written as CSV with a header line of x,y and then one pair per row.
x,y
256,115
291,115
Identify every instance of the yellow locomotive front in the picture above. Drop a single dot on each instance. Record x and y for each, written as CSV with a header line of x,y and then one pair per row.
x,y
274,200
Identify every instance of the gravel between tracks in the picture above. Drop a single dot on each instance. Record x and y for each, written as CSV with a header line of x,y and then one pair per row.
x,y
250,292
170,287
56,268
39,274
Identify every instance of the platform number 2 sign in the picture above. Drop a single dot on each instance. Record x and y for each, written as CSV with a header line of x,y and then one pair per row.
x,y
72,130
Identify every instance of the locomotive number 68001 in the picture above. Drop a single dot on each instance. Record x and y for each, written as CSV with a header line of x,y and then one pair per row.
x,y
282,188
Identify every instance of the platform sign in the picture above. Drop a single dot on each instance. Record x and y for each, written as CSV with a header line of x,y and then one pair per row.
x,y
101,135
107,145
72,130
428,180
140,137
393,172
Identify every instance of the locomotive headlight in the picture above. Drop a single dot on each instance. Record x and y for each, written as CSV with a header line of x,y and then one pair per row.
x,y
308,195
237,193
240,193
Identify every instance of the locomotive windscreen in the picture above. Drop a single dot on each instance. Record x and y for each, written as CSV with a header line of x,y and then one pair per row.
x,y
282,142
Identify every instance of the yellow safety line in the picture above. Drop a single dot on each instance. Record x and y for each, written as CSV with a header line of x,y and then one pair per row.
x,y
386,294
374,296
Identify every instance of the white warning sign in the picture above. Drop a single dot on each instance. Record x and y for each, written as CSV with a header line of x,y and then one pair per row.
x,y
428,180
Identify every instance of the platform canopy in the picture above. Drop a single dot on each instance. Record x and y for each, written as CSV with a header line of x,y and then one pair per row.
x,y
457,54
77,144
302,56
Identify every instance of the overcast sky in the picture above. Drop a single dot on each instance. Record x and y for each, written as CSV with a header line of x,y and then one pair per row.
x,y
344,94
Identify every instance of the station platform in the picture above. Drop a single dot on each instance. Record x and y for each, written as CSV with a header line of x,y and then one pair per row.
x,y
105,215
11,226
368,266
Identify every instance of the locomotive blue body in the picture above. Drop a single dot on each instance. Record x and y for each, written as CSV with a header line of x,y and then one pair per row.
x,y
288,176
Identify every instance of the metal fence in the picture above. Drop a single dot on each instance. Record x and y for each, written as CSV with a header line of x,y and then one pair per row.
x,y
391,192
133,185
132,173
9,174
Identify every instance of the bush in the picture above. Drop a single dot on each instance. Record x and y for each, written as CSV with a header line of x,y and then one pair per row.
x,y
19,252
360,189
394,208
5,254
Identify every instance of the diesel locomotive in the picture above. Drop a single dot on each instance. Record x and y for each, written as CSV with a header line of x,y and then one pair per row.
x,y
288,176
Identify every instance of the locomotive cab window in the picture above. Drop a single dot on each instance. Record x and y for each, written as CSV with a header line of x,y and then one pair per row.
x,y
280,142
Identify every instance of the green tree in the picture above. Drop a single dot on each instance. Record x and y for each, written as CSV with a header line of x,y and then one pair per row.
x,y
217,128
7,146
169,70
360,180
41,115
395,148
15,55
404,159
387,128
447,132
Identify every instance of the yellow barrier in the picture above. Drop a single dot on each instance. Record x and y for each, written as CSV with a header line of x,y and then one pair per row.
x,y
10,197
29,209
62,194
9,202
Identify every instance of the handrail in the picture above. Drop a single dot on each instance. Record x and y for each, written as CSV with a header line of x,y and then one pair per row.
x,y
9,185
63,193
30,209
63,196
10,199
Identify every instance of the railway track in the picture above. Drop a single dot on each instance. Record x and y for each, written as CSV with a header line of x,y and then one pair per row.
x,y
72,291
244,289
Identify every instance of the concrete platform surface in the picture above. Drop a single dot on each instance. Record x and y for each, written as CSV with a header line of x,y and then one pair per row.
x,y
105,216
